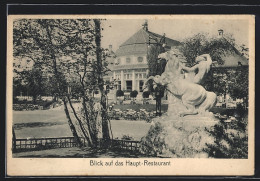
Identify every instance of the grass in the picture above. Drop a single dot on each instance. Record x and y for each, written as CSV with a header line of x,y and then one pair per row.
x,y
53,123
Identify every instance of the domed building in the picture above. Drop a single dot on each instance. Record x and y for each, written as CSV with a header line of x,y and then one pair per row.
x,y
130,67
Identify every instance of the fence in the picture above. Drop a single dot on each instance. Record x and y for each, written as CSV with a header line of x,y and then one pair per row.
x,y
126,145
67,142
45,143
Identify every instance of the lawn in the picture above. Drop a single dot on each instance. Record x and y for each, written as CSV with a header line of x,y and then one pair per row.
x,y
53,123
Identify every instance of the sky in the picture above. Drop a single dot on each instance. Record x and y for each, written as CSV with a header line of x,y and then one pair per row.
x,y
117,31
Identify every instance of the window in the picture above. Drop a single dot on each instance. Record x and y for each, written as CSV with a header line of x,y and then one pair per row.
x,y
140,59
128,76
129,85
128,60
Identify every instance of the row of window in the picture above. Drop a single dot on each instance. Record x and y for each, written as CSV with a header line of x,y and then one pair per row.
x,y
137,76
129,60
140,76
129,85
129,76
118,76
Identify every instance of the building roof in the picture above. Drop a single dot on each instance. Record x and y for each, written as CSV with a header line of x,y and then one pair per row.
x,y
232,59
137,44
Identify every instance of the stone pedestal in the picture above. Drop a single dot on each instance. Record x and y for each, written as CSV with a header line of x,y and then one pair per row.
x,y
179,137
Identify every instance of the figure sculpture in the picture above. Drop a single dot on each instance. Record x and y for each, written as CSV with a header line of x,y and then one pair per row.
x,y
186,91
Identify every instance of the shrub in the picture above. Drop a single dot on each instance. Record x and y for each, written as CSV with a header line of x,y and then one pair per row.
x,y
146,94
119,93
45,104
127,137
229,143
133,94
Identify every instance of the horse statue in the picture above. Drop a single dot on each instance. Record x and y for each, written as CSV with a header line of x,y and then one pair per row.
x,y
186,95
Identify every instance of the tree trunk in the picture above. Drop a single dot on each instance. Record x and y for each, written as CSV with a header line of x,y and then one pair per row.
x,y
84,131
105,128
72,127
89,123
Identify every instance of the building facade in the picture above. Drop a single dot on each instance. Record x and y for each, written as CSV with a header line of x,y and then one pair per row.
x,y
130,66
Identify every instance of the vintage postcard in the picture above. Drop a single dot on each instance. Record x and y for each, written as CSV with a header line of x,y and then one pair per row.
x,y
101,95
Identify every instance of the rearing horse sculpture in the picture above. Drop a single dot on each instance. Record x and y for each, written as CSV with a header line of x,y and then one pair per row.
x,y
192,95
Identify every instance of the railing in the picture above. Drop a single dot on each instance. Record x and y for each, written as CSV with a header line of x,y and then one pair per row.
x,y
45,143
126,145
31,144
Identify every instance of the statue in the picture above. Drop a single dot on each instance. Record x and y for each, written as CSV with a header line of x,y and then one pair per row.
x,y
187,96
202,67
181,132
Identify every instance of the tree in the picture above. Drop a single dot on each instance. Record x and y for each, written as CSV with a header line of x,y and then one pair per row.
x,y
101,73
34,82
203,44
233,81
146,94
133,94
119,93
156,67
68,50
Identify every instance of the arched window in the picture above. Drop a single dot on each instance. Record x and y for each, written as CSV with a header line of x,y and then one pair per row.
x,y
128,60
140,59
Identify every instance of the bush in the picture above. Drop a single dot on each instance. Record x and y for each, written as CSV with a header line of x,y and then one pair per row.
x,y
133,94
127,137
146,94
15,100
119,93
229,142
45,104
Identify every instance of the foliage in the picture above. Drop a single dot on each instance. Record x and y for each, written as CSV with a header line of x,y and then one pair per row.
x,y
146,94
119,93
156,67
33,82
203,44
233,81
230,142
238,85
18,87
127,137
133,94
68,52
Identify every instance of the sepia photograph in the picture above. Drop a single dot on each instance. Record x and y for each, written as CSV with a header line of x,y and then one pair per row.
x,y
130,94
